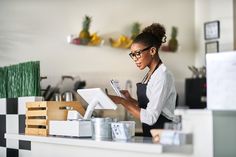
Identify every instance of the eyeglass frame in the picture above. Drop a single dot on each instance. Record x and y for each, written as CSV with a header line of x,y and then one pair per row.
x,y
138,53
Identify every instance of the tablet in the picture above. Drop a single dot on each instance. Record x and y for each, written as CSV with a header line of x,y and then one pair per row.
x,y
116,86
96,99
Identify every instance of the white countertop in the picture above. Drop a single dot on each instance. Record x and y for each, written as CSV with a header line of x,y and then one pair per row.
x,y
136,144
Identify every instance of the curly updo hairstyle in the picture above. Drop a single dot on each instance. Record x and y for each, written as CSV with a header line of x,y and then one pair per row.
x,y
153,35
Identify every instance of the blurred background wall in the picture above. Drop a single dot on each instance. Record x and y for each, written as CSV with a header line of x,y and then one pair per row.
x,y
37,30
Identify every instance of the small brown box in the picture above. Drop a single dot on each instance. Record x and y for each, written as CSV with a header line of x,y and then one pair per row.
x,y
39,113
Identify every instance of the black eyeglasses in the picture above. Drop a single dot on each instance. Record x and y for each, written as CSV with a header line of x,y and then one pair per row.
x,y
138,53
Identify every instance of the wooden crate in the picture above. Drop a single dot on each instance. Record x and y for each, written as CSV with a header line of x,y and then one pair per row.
x,y
39,113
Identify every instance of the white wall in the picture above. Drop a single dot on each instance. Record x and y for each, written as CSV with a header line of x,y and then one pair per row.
x,y
211,10
37,30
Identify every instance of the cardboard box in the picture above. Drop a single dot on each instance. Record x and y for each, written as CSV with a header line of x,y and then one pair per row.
x,y
77,128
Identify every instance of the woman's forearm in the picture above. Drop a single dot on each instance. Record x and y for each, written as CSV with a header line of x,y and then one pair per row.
x,y
133,101
132,107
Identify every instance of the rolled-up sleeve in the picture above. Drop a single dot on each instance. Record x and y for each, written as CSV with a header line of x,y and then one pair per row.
x,y
157,93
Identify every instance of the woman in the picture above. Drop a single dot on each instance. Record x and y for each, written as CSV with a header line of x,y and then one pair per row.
x,y
156,93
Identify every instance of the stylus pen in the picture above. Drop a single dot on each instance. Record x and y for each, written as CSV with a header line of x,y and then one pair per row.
x,y
106,90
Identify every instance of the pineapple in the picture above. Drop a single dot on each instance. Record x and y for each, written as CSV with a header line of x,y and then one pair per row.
x,y
84,34
135,30
173,43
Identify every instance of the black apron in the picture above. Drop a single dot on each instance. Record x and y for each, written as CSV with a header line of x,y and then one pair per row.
x,y
143,101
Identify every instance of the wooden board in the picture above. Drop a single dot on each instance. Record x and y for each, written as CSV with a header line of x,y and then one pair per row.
x,y
36,131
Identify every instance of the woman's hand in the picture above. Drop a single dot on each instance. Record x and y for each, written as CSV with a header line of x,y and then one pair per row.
x,y
126,94
116,99
130,104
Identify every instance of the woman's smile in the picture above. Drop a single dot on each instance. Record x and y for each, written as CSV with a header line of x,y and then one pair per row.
x,y
138,64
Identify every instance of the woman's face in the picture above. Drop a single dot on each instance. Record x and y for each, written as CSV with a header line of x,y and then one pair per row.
x,y
141,55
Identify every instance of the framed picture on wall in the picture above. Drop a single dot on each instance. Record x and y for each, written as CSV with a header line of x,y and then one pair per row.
x,y
212,47
212,30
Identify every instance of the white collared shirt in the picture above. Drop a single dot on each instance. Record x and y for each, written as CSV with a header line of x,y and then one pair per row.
x,y
162,97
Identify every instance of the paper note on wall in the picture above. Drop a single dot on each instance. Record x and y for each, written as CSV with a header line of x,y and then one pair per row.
x,y
221,81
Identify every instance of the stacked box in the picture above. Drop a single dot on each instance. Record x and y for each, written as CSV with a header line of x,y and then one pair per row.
x,y
39,114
